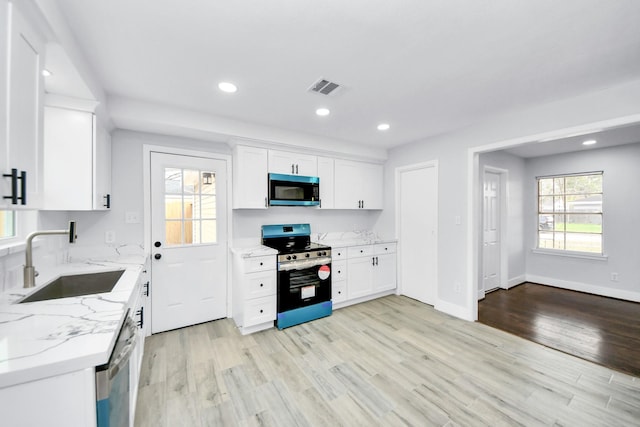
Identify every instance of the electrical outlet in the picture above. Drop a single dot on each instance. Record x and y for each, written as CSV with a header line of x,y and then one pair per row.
x,y
614,277
109,236
456,286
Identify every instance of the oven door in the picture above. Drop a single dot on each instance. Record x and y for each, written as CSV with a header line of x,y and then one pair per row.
x,y
304,285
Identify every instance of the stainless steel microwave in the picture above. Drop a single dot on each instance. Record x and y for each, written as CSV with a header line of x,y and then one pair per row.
x,y
293,190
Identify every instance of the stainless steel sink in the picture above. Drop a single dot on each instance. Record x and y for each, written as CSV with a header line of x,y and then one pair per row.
x,y
76,285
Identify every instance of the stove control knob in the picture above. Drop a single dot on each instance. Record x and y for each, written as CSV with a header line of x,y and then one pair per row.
x,y
306,255
295,257
288,257
324,253
319,253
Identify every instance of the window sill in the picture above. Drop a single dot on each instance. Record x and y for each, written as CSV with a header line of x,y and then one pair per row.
x,y
15,248
584,255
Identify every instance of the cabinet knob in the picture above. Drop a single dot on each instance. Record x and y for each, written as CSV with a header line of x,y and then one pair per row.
x,y
261,284
261,263
261,311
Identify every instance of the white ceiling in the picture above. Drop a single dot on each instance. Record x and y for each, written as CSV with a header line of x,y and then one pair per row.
x,y
423,66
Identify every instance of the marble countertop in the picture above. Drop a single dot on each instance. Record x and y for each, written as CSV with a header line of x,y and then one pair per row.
x,y
349,238
47,338
254,251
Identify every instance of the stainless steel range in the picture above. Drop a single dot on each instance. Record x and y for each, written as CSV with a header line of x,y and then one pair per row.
x,y
304,274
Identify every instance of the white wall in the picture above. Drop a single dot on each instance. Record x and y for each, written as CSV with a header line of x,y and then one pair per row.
x,y
514,244
621,204
456,253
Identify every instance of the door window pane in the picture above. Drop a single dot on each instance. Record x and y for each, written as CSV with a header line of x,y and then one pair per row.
x,y
190,206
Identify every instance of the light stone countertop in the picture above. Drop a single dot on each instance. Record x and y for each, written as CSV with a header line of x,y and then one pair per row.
x,y
254,251
48,338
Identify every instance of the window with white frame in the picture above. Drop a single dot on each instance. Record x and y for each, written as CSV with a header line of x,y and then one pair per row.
x,y
570,212
7,224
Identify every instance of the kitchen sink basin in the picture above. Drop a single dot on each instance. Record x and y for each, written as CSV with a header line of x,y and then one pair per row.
x,y
76,285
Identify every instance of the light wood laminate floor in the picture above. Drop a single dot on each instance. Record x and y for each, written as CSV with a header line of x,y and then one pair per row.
x,y
392,361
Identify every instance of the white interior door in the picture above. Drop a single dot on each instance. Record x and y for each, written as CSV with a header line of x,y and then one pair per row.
x,y
188,240
491,222
417,225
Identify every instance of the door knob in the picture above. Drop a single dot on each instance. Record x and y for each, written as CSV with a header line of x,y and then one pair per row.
x,y
157,256
157,244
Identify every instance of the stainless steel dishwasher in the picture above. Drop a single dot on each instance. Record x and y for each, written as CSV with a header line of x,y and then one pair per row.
x,y
113,388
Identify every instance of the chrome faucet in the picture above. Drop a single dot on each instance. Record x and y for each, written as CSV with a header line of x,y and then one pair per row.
x,y
30,272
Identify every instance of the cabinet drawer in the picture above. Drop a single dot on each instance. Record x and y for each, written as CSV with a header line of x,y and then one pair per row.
x,y
339,292
260,284
339,270
360,251
259,310
338,253
385,248
261,263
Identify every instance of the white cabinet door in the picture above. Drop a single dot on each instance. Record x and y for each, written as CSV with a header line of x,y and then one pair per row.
x,y
358,185
359,275
24,102
102,170
249,177
348,183
77,161
372,185
292,163
384,272
325,173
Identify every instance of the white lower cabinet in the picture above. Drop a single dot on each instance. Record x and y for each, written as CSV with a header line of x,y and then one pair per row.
x,y
254,292
362,272
67,400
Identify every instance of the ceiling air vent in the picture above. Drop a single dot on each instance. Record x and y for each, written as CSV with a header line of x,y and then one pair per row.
x,y
324,87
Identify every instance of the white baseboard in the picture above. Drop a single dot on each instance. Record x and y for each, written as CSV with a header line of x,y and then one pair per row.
x,y
582,287
455,310
514,281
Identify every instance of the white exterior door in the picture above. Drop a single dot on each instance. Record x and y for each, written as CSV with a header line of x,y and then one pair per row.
x,y
491,232
188,240
417,226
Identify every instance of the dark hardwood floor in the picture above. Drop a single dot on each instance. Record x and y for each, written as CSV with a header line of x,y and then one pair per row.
x,y
599,329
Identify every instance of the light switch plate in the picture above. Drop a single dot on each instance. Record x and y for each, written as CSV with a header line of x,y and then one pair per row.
x,y
132,217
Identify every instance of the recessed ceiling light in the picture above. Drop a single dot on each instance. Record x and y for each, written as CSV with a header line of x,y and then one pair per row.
x,y
589,142
46,73
227,87
323,111
383,126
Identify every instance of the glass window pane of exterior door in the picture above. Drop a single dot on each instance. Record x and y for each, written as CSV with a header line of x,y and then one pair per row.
x,y
190,207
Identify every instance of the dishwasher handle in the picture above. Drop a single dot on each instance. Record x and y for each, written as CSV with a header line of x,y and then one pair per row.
x,y
120,359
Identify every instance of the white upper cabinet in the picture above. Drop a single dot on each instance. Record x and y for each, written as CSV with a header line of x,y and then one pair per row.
x,y
325,173
358,185
249,177
22,95
77,161
292,163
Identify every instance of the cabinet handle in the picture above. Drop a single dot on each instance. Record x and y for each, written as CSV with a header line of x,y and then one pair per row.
x,y
14,187
141,314
376,260
107,201
296,169
146,289
292,169
373,260
363,204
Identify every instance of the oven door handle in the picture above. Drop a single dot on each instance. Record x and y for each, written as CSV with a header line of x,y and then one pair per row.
x,y
303,264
